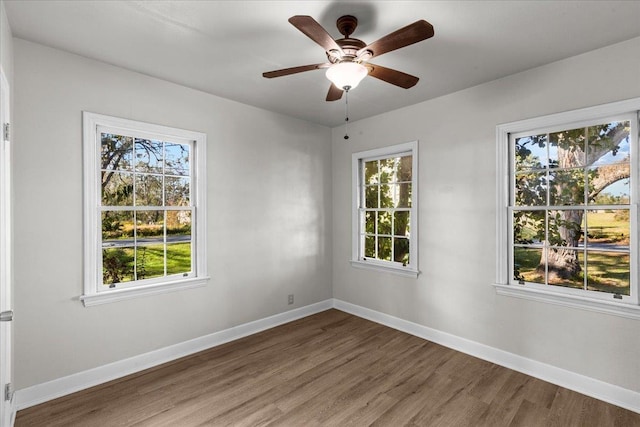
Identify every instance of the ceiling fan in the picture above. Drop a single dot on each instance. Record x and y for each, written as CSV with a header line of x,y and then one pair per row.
x,y
349,57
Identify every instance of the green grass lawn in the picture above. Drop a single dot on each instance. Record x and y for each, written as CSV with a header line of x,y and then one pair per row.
x,y
149,262
606,271
607,227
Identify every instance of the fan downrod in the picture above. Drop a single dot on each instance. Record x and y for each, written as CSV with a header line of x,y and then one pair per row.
x,y
347,25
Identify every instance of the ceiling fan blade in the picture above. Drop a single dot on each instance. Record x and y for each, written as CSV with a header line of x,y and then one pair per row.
x,y
413,33
334,93
294,70
315,32
394,77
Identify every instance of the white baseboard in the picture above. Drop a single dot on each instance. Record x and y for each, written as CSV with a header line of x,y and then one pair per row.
x,y
601,390
44,392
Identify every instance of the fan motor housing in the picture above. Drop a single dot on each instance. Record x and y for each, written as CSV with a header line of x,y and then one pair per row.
x,y
350,48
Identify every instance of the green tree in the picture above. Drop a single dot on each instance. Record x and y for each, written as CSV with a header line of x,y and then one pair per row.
x,y
401,224
117,266
566,186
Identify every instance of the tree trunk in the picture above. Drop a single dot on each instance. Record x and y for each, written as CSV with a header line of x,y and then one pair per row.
x,y
562,262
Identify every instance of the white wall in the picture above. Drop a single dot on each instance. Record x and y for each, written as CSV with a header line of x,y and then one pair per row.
x,y
269,208
457,218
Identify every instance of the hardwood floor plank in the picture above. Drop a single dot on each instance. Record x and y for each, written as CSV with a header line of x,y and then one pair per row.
x,y
365,415
530,414
329,369
489,384
461,409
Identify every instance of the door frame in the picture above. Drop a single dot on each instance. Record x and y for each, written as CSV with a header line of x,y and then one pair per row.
x,y
7,410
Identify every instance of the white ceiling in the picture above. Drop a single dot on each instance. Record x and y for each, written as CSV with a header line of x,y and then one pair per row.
x,y
222,47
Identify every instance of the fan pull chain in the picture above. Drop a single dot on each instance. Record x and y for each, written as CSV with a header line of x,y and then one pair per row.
x,y
346,114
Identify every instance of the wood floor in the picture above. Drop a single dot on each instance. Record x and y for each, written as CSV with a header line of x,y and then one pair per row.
x,y
329,369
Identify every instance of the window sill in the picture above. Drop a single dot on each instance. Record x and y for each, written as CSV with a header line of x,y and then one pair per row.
x,y
599,306
401,271
124,294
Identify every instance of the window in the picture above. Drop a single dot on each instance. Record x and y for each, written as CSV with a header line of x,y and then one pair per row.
x,y
385,224
145,205
567,219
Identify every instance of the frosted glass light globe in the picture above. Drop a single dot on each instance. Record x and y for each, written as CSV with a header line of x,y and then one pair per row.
x,y
346,75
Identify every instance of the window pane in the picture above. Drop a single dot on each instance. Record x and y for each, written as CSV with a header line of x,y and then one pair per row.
x,y
565,227
150,226
565,263
387,199
566,267
117,228
150,261
608,272
531,189
401,223
371,172
148,155
566,148
608,143
371,196
531,152
566,187
148,190
176,159
388,169
527,265
178,258
117,188
401,250
116,152
405,172
117,265
384,222
178,226
404,195
370,246
370,222
610,184
529,227
608,229
395,195
176,191
384,248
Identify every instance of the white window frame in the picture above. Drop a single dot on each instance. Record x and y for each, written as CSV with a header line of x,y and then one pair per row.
x,y
96,293
357,177
504,285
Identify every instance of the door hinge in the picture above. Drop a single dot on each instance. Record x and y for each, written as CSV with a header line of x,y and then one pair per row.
x,y
6,131
8,392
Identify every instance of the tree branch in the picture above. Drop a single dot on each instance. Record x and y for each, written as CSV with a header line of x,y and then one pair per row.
x,y
607,175
608,142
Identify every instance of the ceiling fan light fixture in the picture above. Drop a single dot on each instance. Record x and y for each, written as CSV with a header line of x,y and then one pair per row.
x,y
346,75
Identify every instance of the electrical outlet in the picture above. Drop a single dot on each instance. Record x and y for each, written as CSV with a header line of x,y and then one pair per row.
x,y
291,299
